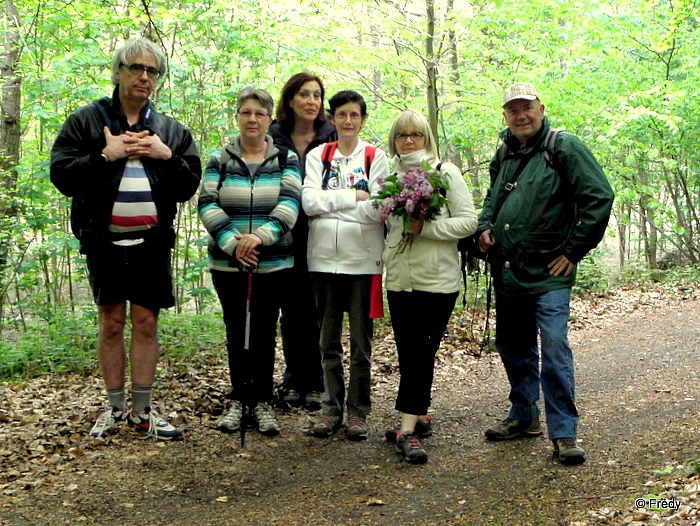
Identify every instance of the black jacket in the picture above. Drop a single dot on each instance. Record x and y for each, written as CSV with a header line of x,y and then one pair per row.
x,y
325,132
79,171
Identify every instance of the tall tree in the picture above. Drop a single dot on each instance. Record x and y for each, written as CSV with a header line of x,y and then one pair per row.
x,y
10,134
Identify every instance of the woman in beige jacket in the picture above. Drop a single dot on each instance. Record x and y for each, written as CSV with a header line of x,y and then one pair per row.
x,y
422,281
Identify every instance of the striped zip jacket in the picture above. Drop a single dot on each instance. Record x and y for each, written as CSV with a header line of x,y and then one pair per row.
x,y
232,199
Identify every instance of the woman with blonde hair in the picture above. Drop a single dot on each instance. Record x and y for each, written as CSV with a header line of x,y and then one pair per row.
x,y
422,281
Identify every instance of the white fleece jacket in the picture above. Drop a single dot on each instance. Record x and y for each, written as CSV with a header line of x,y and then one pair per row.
x,y
345,236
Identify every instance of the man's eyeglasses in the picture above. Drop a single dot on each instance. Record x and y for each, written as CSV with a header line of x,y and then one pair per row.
x,y
257,115
138,69
415,136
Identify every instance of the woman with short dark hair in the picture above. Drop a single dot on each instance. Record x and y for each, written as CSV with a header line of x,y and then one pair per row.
x,y
248,202
345,254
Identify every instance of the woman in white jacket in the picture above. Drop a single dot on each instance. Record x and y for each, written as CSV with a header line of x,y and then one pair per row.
x,y
422,281
344,253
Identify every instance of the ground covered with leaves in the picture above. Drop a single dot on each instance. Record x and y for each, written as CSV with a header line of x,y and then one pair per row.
x,y
637,356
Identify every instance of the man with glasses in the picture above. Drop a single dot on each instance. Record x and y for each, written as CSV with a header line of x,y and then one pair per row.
x,y
126,167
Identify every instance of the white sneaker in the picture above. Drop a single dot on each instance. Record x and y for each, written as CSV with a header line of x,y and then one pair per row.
x,y
150,424
267,421
107,422
231,421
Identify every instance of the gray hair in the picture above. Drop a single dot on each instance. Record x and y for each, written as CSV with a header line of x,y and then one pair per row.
x,y
257,94
134,49
416,119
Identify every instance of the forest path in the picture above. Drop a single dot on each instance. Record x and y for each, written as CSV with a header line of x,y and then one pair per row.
x,y
637,359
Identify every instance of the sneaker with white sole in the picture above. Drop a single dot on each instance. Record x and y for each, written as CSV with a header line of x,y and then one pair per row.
x,y
265,416
107,422
150,424
231,421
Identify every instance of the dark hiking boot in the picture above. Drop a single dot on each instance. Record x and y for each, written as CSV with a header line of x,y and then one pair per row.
x,y
509,429
408,445
423,429
568,451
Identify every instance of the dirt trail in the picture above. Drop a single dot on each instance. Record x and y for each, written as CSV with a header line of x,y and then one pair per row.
x,y
638,388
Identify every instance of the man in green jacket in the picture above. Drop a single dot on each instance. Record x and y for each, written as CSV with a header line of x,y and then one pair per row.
x,y
542,215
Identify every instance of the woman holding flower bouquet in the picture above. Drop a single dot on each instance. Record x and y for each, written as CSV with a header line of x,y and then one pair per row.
x,y
422,266
345,252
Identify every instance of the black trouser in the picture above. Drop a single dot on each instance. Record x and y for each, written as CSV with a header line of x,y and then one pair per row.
x,y
419,320
300,333
255,365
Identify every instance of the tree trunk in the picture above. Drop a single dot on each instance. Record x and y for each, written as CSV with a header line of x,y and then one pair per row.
x,y
10,97
431,69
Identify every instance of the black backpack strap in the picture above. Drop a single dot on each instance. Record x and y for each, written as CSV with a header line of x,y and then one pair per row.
x,y
550,153
282,157
223,161
326,158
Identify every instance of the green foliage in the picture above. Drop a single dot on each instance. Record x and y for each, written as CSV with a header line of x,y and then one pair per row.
x,y
665,471
67,343
695,467
593,275
622,76
64,343
188,339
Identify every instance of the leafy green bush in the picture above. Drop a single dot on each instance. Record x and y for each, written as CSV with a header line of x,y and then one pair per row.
x,y
67,343
62,343
592,275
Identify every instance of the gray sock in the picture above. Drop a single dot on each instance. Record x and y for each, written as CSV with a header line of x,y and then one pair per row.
x,y
117,397
140,398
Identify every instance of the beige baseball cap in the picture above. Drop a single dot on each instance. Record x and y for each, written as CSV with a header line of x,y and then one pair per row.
x,y
520,90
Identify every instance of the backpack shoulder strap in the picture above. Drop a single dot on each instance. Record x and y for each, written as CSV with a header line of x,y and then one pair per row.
x,y
282,156
223,161
550,140
502,152
326,158
369,157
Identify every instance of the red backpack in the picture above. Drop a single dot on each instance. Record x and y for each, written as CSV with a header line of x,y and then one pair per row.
x,y
327,157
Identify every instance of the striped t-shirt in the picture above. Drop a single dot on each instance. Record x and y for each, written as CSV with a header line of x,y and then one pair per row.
x,y
134,209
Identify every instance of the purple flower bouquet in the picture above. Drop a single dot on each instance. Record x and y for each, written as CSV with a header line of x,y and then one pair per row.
x,y
418,194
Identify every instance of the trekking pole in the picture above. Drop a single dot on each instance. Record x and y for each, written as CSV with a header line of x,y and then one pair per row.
x,y
245,386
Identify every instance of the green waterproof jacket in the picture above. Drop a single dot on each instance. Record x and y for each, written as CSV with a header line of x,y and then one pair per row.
x,y
556,207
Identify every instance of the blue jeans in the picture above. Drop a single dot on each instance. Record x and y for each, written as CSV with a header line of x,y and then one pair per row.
x,y
519,320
